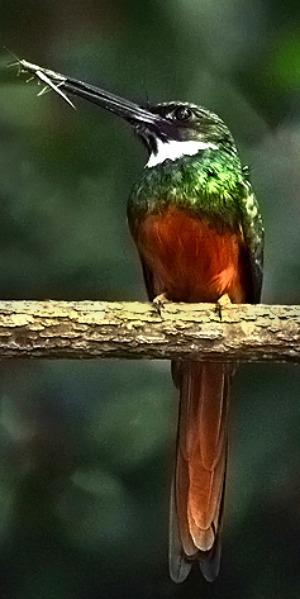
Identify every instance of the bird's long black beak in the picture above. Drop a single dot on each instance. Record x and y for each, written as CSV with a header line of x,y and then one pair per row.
x,y
131,112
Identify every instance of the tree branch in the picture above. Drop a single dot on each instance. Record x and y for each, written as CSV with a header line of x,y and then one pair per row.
x,y
86,329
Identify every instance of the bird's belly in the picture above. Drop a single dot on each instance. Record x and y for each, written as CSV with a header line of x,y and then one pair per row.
x,y
191,260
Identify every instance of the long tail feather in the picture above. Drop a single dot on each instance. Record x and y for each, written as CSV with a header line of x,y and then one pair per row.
x,y
198,489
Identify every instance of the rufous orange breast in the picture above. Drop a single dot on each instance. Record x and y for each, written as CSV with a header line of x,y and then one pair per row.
x,y
191,259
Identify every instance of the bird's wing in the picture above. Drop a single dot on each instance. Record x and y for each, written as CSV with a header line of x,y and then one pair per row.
x,y
148,278
253,233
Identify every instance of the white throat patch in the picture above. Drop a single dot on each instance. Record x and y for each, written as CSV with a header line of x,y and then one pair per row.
x,y
172,150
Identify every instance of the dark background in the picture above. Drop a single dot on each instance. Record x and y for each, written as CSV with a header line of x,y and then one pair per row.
x,y
86,448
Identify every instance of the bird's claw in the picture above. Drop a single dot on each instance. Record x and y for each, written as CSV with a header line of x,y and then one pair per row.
x,y
223,302
159,302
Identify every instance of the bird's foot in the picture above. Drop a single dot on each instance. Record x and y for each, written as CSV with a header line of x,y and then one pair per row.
x,y
159,302
223,302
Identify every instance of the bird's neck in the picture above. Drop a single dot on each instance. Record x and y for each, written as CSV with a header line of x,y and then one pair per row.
x,y
208,182
174,150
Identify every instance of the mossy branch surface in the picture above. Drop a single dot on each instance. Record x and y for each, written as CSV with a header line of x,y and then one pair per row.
x,y
93,329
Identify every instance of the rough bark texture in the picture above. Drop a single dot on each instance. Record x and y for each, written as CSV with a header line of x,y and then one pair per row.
x,y
86,329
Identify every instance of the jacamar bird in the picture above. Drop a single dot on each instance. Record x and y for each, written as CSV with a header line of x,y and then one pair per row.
x,y
198,230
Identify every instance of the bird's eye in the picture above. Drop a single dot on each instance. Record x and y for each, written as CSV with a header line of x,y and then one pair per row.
x,y
183,113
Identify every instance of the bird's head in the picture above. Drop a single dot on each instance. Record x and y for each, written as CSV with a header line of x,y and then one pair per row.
x,y
170,130
182,128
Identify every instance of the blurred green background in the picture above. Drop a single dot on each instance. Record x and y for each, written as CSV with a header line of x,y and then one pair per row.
x,y
86,448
